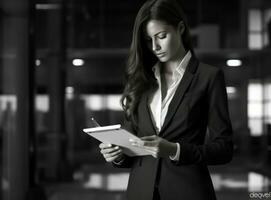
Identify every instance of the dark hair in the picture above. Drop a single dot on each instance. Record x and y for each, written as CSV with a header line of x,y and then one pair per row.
x,y
139,75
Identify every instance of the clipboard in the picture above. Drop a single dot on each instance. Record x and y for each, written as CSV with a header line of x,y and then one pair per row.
x,y
116,135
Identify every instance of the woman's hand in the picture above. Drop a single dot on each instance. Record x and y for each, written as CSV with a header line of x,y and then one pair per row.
x,y
158,146
111,152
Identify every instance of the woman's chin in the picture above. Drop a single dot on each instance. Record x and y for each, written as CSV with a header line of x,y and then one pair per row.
x,y
162,59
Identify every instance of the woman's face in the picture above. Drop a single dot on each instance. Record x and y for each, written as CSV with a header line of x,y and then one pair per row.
x,y
164,40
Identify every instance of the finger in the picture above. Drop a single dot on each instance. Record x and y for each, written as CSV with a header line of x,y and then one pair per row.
x,y
145,144
107,153
132,140
144,141
149,149
112,158
135,141
155,155
110,150
116,153
113,154
152,149
104,145
149,138
151,143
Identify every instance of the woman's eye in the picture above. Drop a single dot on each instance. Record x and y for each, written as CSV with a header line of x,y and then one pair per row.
x,y
162,36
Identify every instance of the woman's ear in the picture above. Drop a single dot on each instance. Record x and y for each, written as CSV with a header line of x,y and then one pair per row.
x,y
181,27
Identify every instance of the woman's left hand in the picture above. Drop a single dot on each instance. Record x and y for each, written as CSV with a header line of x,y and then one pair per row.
x,y
157,146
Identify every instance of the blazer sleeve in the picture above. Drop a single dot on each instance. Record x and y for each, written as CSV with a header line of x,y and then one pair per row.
x,y
127,161
220,148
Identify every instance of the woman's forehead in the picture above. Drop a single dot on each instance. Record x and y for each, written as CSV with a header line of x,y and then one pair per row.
x,y
154,26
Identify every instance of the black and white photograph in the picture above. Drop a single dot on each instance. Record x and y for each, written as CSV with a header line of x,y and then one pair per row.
x,y
135,100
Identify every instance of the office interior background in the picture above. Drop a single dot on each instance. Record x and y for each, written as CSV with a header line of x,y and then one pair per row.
x,y
62,62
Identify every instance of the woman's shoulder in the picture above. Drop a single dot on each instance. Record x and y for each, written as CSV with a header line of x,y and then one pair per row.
x,y
208,70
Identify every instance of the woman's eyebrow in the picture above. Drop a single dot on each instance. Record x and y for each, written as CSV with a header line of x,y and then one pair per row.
x,y
147,36
159,33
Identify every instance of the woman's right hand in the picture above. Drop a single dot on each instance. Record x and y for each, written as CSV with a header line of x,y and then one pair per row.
x,y
111,152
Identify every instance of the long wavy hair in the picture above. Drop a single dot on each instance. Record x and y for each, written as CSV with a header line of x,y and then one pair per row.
x,y
139,76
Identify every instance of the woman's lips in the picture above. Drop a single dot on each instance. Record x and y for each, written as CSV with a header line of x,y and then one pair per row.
x,y
160,54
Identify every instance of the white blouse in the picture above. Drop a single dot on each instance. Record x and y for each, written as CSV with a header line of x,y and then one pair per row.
x,y
158,106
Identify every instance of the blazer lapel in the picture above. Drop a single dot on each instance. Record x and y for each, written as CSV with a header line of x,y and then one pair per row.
x,y
183,86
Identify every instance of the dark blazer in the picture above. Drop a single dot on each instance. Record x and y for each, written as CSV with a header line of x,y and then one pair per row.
x,y
200,101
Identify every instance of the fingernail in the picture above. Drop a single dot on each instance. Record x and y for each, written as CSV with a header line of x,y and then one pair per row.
x,y
109,145
116,147
131,140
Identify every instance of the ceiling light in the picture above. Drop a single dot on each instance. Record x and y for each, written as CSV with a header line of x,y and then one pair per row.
x,y
234,63
37,62
78,62
48,6
69,90
231,90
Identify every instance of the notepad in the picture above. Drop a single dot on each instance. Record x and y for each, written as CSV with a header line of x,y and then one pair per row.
x,y
116,135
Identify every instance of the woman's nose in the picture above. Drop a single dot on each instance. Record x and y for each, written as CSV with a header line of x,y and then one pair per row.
x,y
155,46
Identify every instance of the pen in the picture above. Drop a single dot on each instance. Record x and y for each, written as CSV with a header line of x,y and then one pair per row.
x,y
94,122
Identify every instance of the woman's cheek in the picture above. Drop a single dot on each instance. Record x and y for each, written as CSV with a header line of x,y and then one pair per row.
x,y
164,46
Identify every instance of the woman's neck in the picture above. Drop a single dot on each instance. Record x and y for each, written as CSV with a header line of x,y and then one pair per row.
x,y
170,66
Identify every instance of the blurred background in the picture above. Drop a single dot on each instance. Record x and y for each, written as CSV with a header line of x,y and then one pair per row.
x,y
62,62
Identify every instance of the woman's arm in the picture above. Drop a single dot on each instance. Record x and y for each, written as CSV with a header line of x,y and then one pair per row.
x,y
220,149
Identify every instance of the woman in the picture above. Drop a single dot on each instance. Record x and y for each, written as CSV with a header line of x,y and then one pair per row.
x,y
170,101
